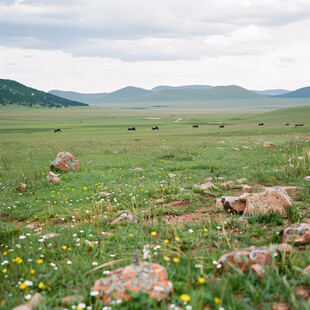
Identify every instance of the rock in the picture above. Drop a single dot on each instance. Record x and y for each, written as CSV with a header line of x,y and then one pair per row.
x,y
303,292
268,144
246,187
140,178
32,304
233,204
125,217
296,139
21,187
105,193
222,142
72,299
53,178
160,200
228,185
296,233
236,149
246,147
307,270
258,269
219,148
245,258
208,179
242,180
272,200
146,277
207,186
50,235
65,162
171,175
138,169
307,178
280,306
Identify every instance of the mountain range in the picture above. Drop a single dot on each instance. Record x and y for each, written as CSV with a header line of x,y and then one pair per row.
x,y
12,92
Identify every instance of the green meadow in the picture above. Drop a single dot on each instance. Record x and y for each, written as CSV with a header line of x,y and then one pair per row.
x,y
181,224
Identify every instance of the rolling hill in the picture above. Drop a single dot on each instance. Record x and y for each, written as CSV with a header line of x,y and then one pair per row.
x,y
71,95
298,93
164,87
272,92
12,92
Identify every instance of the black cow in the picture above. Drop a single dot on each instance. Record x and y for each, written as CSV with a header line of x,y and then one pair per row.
x,y
155,128
196,126
131,129
57,130
261,124
221,126
287,124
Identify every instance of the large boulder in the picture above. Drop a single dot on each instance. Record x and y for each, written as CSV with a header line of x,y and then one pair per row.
x,y
245,258
146,277
296,233
271,200
65,161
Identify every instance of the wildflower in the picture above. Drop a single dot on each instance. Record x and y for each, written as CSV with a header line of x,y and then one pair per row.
x,y
41,285
64,247
5,253
176,259
185,298
153,233
166,241
28,283
39,260
177,239
130,235
32,271
205,229
94,293
80,306
28,297
4,270
166,258
217,300
84,188
22,286
201,280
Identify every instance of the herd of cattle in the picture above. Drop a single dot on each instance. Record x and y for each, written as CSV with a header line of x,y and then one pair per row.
x,y
194,126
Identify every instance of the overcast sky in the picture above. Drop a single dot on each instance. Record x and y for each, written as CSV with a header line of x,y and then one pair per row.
x,y
103,45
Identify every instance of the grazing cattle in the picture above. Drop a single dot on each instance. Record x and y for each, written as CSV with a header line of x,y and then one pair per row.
x,y
155,128
131,129
261,124
287,124
221,126
196,126
57,130
299,125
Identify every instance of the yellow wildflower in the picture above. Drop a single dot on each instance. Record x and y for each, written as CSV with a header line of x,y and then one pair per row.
x,y
185,298
22,286
4,270
177,239
5,253
39,260
217,300
176,259
64,247
205,229
41,285
201,280
32,271
153,233
166,241
130,235
166,258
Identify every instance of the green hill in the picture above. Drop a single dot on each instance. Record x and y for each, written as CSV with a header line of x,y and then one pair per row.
x,y
71,95
298,93
12,92
164,87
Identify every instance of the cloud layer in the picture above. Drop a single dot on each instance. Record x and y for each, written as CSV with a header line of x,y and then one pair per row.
x,y
160,33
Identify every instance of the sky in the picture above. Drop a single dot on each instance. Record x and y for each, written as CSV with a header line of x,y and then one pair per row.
x,y
102,45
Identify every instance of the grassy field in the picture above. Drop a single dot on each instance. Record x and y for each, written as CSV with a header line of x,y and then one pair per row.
x,y
198,231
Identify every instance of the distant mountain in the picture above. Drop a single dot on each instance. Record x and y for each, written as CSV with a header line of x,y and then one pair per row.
x,y
214,93
163,87
71,95
119,95
299,93
272,92
12,92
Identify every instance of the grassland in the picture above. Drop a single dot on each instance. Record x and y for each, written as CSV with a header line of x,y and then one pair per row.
x,y
98,137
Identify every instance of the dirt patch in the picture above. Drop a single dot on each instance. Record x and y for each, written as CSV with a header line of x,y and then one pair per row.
x,y
185,218
177,203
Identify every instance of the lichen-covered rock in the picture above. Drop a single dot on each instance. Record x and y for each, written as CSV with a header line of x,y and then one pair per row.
x,y
245,258
21,187
146,277
296,233
228,185
125,217
65,161
53,178
273,200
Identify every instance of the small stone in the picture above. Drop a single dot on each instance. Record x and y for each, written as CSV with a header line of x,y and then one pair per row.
x,y
142,276
228,185
72,299
105,193
53,178
35,301
65,162
236,149
138,169
268,144
242,180
140,178
296,233
280,306
222,142
307,178
125,217
50,235
207,186
307,270
171,175
21,187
